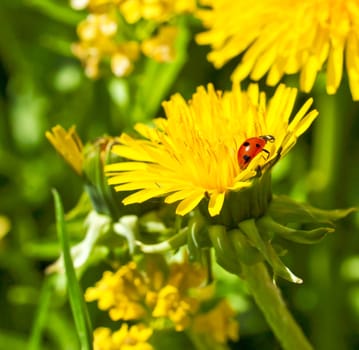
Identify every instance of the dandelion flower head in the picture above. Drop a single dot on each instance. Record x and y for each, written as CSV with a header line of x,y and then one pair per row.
x,y
192,154
285,37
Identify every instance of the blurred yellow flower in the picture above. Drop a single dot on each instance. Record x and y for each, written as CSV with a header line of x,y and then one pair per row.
x,y
192,155
122,293
285,37
171,304
69,146
126,338
134,294
156,10
161,47
218,324
122,60
5,226
98,41
179,295
116,31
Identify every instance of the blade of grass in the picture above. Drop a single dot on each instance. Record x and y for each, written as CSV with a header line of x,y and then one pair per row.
x,y
41,316
78,306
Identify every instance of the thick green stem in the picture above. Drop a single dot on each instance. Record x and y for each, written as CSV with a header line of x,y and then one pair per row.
x,y
269,300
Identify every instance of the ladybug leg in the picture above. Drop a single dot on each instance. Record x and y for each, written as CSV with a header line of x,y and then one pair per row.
x,y
275,160
267,153
258,171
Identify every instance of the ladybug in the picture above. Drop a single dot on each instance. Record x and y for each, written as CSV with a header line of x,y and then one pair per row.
x,y
251,147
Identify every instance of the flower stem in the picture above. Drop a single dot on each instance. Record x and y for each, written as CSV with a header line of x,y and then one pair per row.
x,y
269,300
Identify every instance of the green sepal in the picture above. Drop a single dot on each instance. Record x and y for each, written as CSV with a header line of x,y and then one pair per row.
x,y
81,209
249,228
197,238
226,255
267,224
174,242
246,252
285,210
104,198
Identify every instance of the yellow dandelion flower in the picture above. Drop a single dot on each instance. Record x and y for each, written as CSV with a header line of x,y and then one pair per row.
x,y
126,338
219,323
285,37
122,293
193,154
69,146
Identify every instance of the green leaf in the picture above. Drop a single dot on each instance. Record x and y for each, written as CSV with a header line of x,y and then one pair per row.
x,y
285,210
78,306
267,224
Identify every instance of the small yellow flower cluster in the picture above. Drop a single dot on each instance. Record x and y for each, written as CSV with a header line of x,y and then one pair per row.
x,y
126,338
121,292
118,31
151,295
219,322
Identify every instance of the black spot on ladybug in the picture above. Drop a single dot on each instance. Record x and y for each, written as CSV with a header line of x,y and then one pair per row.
x,y
246,158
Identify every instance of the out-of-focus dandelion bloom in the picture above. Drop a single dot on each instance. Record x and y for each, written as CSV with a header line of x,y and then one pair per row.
x,y
219,323
161,47
126,338
122,293
285,37
69,146
192,155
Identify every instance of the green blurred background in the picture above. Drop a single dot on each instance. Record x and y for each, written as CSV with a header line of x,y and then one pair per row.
x,y
42,84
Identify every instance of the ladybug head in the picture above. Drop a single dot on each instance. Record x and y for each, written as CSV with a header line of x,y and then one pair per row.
x,y
267,138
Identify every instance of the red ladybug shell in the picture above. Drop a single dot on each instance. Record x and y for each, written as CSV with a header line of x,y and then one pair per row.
x,y
251,147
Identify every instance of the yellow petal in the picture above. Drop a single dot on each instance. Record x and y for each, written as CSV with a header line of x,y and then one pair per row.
x,y
189,203
216,203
